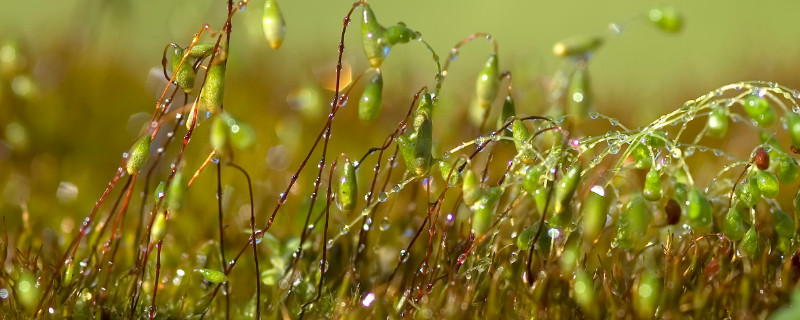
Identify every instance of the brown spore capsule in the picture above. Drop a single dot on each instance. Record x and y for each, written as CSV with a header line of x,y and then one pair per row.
x,y
761,159
673,210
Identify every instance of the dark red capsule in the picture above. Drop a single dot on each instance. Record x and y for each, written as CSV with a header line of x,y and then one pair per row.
x,y
673,210
761,159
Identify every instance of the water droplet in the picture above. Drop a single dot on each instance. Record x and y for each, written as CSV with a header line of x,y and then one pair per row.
x,y
385,223
445,155
345,229
324,265
367,225
403,256
613,147
615,28
676,153
512,257
689,151
593,115
382,197
329,244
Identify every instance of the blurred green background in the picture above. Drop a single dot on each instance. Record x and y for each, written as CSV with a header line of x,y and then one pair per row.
x,y
92,76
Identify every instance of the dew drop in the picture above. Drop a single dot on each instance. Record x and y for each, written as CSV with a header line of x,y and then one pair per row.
x,y
329,244
382,197
593,115
385,223
345,229
512,257
403,256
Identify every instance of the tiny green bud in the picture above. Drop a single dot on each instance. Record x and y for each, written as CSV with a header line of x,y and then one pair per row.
x,y
214,89
347,194
471,188
793,126
579,95
69,272
717,125
666,18
642,159
633,222
652,185
788,169
656,139
751,244
273,24
566,188
520,133
219,134
399,34
699,209
201,50
373,38
733,227
531,181
446,170
175,193
759,109
748,193
647,294
595,211
577,46
767,184
184,73
138,154
369,106
509,110
488,82
525,238
212,276
483,210
159,227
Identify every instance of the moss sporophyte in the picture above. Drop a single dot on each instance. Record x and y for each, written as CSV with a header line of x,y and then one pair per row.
x,y
576,214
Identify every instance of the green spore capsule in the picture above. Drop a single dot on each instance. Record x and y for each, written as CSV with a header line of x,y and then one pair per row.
x,y
160,192
717,125
399,34
175,193
579,95
446,170
509,110
525,238
565,188
373,38
767,184
642,159
69,272
183,72
369,106
531,181
471,188
784,224
594,211
751,245
488,82
219,134
652,185
699,209
520,133
422,136
577,46
793,126
585,295
647,294
788,169
759,109
483,210
242,135
347,193
666,18
159,227
748,193
633,222
201,50
656,139
212,276
733,226
214,88
138,154
273,24
406,144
